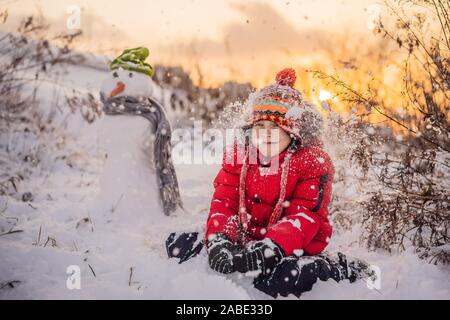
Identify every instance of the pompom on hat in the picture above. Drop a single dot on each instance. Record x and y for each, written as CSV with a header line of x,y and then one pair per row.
x,y
286,77
281,103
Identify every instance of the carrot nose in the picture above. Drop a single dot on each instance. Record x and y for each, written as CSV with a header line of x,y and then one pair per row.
x,y
120,86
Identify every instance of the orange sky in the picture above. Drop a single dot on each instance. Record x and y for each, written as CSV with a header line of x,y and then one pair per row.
x,y
222,40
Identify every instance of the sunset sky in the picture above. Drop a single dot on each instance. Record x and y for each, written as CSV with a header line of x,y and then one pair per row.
x,y
222,40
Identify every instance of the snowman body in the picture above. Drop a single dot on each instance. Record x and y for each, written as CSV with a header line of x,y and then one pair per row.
x,y
128,191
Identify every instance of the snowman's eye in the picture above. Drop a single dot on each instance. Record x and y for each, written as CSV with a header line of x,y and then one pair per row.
x,y
115,75
130,75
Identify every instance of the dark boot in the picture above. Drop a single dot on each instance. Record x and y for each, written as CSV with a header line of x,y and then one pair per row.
x,y
297,275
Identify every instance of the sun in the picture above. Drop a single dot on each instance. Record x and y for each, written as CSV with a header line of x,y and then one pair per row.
x,y
324,95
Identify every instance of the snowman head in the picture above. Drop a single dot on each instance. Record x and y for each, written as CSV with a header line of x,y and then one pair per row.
x,y
121,82
129,75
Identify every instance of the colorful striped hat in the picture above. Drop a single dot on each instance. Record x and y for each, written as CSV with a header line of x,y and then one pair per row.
x,y
279,102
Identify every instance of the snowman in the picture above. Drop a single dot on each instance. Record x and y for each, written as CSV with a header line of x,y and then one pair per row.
x,y
138,175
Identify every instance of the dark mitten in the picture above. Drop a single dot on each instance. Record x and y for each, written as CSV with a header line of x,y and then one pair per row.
x,y
220,251
261,255
183,246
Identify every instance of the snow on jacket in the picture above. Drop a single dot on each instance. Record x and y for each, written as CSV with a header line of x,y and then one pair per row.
x,y
304,227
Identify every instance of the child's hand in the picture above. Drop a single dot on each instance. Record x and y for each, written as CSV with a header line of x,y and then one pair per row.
x,y
260,255
220,254
183,246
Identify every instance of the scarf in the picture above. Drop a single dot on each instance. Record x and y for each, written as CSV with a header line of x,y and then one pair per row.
x,y
278,209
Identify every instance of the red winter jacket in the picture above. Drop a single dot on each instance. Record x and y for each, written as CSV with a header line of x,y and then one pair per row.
x,y
304,222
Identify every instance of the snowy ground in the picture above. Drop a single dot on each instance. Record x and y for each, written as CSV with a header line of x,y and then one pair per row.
x,y
70,222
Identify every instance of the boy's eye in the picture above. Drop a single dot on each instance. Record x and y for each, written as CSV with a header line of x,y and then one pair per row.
x,y
130,75
115,75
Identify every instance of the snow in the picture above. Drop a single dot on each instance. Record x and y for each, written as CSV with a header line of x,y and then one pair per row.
x,y
294,113
125,182
286,203
298,252
304,215
370,130
120,245
268,253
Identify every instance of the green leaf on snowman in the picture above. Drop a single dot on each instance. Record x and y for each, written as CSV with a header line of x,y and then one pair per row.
x,y
134,60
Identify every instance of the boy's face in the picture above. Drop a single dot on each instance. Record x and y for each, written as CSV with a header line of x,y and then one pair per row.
x,y
269,138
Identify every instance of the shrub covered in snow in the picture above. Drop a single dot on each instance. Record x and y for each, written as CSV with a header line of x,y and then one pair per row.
x,y
34,139
409,204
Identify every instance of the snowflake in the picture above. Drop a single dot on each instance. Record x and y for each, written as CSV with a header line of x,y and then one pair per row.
x,y
211,237
296,223
268,253
175,251
304,215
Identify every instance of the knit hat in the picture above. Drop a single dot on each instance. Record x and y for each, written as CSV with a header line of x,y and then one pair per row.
x,y
284,105
133,60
